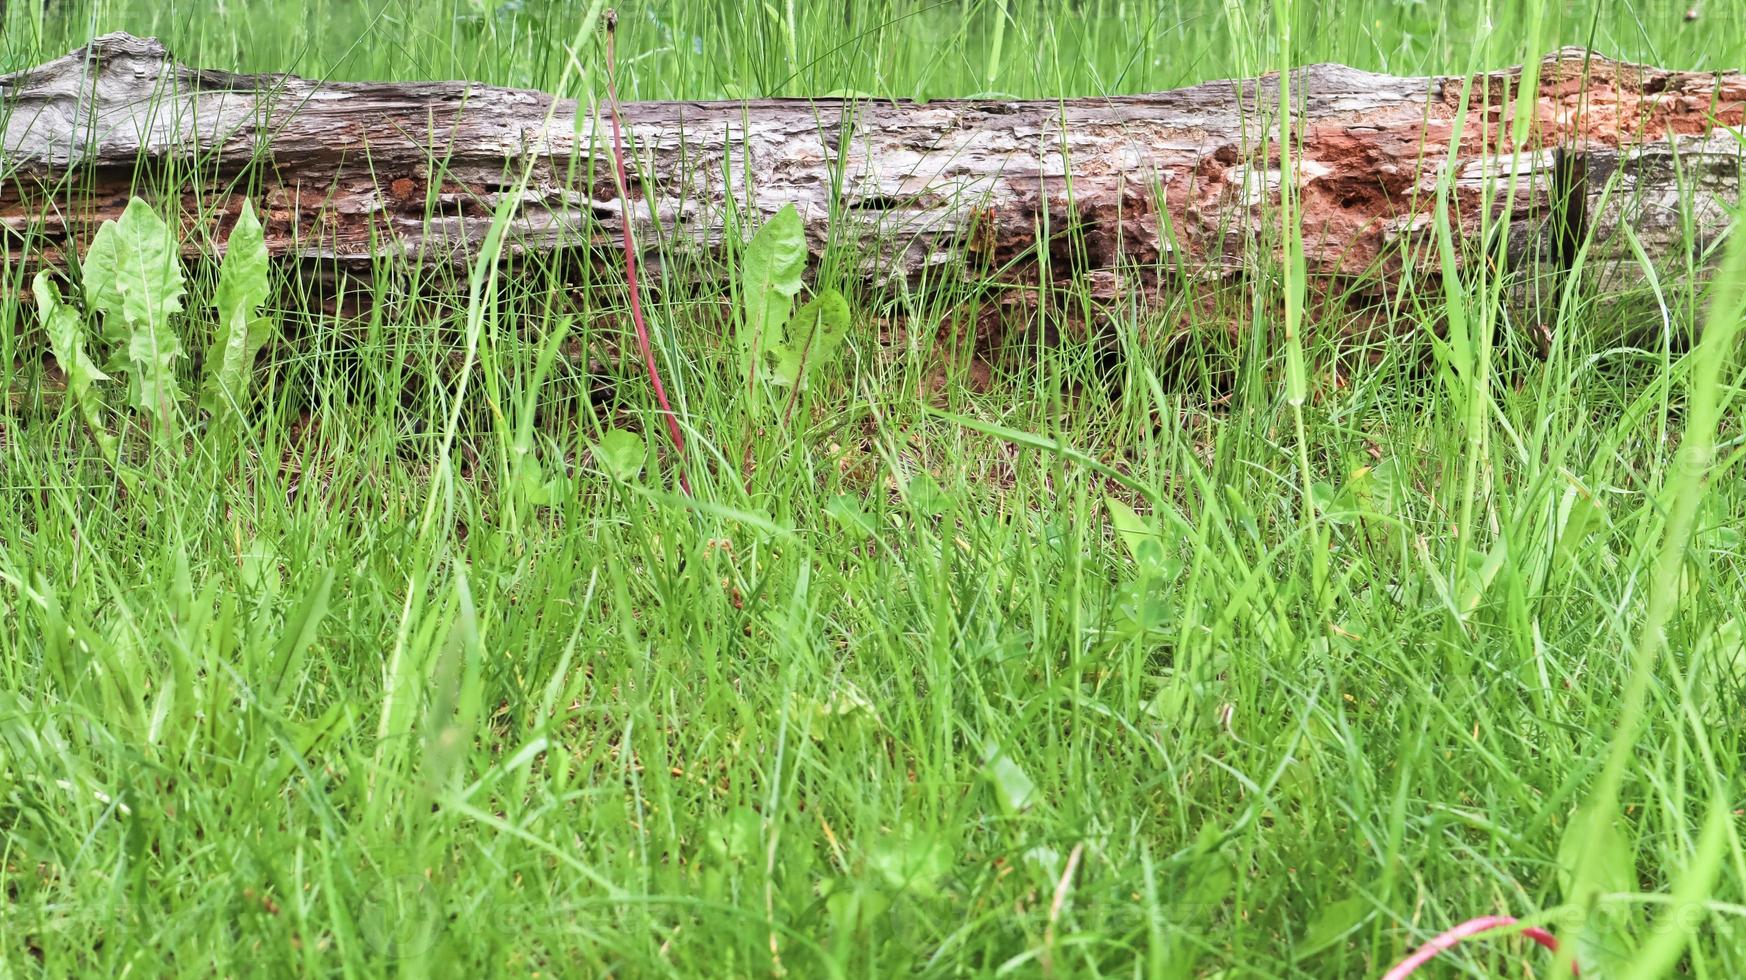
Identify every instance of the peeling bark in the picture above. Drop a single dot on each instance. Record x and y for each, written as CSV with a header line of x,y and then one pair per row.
x,y
1183,182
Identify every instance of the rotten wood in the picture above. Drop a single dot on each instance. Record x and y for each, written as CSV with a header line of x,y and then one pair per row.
x,y
1183,182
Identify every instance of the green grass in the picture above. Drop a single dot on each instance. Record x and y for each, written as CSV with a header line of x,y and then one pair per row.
x,y
329,693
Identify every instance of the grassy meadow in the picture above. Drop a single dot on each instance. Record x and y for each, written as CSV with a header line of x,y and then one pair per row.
x,y
1265,657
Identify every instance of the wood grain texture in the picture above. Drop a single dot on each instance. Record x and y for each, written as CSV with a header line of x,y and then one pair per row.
x,y
1184,181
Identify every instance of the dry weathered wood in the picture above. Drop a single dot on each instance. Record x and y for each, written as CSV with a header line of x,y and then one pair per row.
x,y
1185,180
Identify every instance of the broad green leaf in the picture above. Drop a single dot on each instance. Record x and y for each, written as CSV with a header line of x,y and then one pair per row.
x,y
1129,526
620,453
1012,785
811,339
843,712
1579,514
1193,891
242,288
1333,923
1241,513
1722,658
735,836
534,486
66,331
98,274
1694,888
148,266
1480,578
926,496
1594,858
258,566
770,274
913,863
853,905
1045,860
1175,695
230,360
847,511
243,284
1382,489
148,276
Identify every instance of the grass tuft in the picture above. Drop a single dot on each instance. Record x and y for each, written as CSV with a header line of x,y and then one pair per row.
x,y
1241,633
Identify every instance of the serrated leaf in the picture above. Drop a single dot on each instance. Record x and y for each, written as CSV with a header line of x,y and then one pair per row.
x,y
148,277
811,338
242,287
152,387
148,266
66,332
230,361
243,284
97,271
770,274
620,453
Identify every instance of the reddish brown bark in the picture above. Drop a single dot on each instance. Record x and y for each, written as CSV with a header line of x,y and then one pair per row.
x,y
1181,182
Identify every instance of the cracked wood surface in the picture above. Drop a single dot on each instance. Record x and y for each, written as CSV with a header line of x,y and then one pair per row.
x,y
1186,181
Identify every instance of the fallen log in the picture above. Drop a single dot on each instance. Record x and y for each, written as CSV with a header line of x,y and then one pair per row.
x,y
1184,182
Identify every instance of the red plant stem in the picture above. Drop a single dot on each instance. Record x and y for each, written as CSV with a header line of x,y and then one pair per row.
x,y
1472,927
630,264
